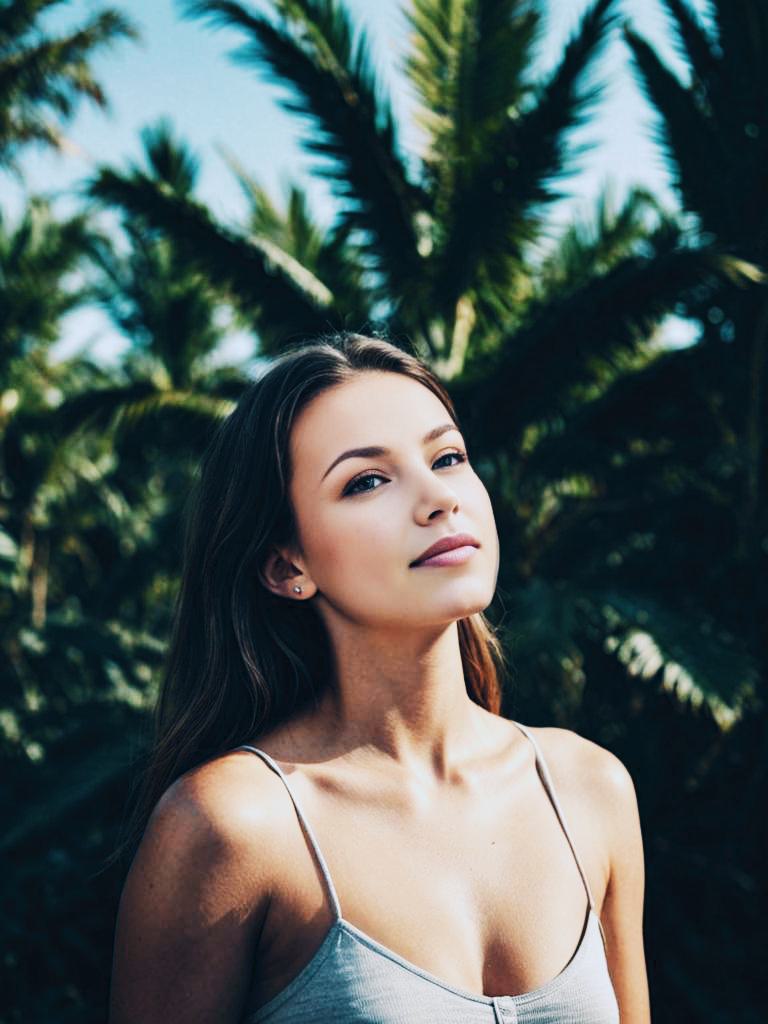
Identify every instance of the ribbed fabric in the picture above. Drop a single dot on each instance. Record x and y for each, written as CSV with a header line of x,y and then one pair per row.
x,y
352,979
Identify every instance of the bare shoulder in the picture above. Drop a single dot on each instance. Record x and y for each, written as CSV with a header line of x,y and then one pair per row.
x,y
196,897
221,811
597,785
224,795
575,757
601,777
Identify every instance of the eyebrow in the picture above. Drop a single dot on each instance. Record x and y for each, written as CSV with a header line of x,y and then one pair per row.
x,y
373,450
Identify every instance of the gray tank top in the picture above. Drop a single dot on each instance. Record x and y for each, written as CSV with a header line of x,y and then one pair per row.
x,y
353,979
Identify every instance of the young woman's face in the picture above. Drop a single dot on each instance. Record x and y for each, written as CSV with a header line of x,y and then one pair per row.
x,y
363,519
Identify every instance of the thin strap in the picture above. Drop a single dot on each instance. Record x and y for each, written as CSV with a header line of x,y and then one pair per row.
x,y
305,824
550,788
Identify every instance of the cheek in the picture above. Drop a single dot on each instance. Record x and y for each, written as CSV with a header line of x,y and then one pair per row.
x,y
368,543
341,544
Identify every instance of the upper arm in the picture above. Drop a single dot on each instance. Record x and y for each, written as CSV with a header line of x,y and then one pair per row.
x,y
192,907
622,910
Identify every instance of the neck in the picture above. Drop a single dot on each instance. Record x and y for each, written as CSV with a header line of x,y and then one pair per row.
x,y
403,700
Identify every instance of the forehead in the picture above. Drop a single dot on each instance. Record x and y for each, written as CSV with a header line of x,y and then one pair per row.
x,y
373,408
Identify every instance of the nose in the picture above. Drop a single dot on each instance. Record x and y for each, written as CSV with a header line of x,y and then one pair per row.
x,y
436,496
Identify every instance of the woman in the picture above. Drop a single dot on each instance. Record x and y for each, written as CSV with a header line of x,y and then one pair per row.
x,y
341,825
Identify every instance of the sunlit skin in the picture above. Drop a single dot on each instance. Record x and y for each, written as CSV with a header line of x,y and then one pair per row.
x,y
400,684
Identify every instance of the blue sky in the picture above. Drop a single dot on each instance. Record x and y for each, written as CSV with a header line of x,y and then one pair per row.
x,y
181,70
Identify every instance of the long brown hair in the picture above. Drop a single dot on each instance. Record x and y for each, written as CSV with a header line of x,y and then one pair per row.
x,y
241,659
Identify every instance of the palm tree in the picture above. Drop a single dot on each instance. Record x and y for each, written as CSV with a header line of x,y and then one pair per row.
x,y
42,75
36,255
170,312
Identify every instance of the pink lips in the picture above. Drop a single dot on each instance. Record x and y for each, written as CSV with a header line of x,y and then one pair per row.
x,y
455,545
456,556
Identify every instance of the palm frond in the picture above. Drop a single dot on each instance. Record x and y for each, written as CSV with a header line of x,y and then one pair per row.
x,y
40,74
180,407
98,408
637,416
314,51
17,130
431,65
293,229
331,255
125,407
170,159
341,263
18,16
693,145
681,649
694,45
468,65
556,351
265,218
493,214
37,255
588,248
258,274
163,306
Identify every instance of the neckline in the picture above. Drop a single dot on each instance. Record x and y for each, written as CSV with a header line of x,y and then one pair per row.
x,y
522,997
340,924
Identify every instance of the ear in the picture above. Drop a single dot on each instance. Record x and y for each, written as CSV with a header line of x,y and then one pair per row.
x,y
279,573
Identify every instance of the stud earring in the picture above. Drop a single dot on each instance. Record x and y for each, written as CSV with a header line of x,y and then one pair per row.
x,y
297,589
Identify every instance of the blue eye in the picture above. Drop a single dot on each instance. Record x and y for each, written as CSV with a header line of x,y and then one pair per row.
x,y
352,487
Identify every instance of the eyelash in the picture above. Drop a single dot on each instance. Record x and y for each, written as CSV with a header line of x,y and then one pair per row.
x,y
348,490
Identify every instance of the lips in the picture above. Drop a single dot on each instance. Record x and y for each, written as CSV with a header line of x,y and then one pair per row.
x,y
456,540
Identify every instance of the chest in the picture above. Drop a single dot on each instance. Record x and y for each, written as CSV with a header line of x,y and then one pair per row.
x,y
480,890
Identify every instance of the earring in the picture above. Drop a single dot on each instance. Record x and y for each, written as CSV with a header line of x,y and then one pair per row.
x,y
297,589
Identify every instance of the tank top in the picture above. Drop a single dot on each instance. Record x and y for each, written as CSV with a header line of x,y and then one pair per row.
x,y
353,979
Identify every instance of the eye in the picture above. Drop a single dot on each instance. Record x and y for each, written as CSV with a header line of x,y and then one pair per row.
x,y
353,487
